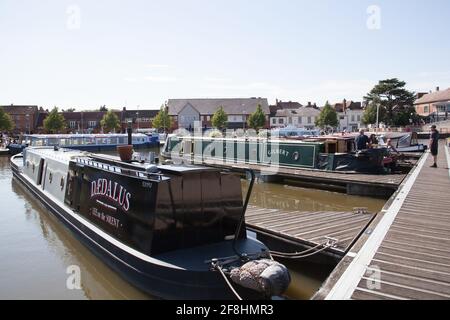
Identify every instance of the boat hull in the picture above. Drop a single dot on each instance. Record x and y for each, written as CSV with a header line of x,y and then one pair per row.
x,y
160,280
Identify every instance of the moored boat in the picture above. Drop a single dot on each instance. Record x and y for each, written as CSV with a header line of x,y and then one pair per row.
x,y
86,142
172,231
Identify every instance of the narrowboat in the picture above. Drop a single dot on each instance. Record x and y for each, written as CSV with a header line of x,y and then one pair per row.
x,y
330,153
175,232
86,142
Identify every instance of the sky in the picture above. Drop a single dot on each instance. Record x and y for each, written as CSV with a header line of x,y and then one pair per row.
x,y
134,53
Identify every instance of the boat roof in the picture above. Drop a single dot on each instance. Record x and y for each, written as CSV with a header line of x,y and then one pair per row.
x,y
76,135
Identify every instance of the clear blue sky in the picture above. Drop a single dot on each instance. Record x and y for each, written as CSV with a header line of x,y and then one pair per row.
x,y
144,52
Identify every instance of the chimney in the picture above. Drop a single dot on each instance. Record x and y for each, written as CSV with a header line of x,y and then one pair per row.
x,y
124,108
437,89
309,103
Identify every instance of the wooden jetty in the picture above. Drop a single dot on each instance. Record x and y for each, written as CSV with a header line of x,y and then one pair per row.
x,y
404,253
352,183
294,230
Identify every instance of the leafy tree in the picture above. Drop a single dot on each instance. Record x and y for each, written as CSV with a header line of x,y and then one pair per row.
x,y
162,119
219,119
257,119
110,121
55,122
70,110
6,123
370,114
327,118
394,101
103,108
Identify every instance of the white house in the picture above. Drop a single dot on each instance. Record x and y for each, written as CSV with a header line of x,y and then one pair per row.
x,y
303,117
349,115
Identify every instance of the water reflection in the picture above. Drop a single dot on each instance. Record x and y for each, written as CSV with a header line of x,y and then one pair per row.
x,y
37,249
290,198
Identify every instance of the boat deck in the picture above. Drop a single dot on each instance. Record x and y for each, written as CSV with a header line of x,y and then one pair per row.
x,y
309,228
350,182
406,256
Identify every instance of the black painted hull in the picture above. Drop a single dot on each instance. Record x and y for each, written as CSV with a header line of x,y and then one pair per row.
x,y
159,281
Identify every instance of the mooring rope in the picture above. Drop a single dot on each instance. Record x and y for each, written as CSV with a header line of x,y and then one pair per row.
x,y
219,268
306,253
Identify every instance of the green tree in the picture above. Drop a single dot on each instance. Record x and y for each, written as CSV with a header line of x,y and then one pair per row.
x,y
327,118
6,124
162,119
110,122
370,114
55,121
220,119
395,103
103,108
257,119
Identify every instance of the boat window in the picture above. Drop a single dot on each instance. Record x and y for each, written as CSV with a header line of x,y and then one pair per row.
x,y
121,140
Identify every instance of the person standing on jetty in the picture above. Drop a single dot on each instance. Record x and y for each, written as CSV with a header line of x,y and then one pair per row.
x,y
433,145
361,141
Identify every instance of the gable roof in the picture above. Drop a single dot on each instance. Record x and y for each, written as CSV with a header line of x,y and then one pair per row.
x,y
436,96
12,109
300,112
351,105
210,106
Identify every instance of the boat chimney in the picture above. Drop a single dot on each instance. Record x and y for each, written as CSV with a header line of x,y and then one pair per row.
x,y
126,151
129,130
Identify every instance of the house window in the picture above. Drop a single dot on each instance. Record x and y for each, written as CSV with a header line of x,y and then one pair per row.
x,y
426,109
72,124
358,118
300,120
92,124
208,118
280,121
274,121
353,118
309,120
290,120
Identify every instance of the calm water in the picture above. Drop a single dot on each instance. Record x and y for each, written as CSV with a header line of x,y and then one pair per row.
x,y
37,250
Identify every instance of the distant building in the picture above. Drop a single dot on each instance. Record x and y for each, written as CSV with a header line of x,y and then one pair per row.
x,y
185,112
435,105
302,117
140,118
89,121
350,115
24,117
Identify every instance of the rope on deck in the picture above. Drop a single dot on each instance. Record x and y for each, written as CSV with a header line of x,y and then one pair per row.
x,y
306,253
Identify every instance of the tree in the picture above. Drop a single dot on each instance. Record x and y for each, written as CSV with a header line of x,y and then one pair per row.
x,y
110,121
6,123
394,101
257,119
327,117
103,108
162,119
370,114
55,122
219,119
